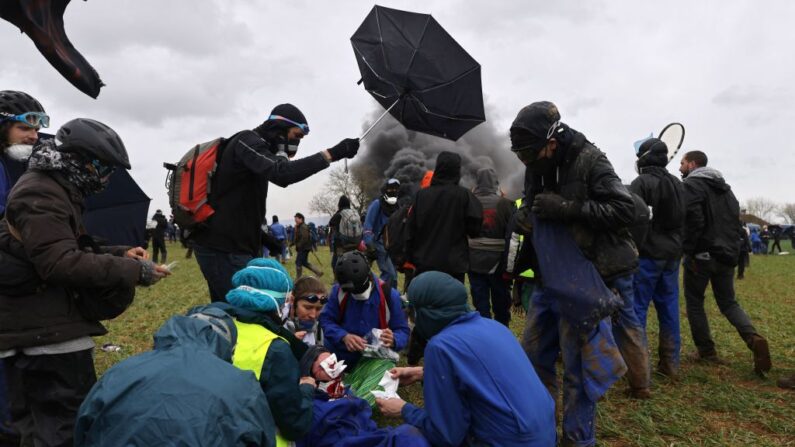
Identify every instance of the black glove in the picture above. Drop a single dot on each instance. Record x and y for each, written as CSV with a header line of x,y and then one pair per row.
x,y
371,252
346,148
524,221
148,275
555,207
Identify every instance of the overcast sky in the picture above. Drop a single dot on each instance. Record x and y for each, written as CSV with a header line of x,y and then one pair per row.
x,y
180,72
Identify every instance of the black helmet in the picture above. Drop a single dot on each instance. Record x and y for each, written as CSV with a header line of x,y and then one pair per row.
x,y
93,139
17,103
353,272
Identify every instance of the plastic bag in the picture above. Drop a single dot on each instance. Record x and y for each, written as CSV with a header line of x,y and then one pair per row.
x,y
375,348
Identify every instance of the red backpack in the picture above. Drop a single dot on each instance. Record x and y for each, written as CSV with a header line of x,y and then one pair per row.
x,y
189,183
384,290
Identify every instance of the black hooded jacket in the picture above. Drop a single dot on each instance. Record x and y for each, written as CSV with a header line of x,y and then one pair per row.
x,y
584,175
713,217
240,188
664,193
443,215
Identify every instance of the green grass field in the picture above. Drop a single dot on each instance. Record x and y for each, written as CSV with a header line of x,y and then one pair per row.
x,y
708,406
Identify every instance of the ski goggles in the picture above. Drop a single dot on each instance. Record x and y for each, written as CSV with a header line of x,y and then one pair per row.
x,y
103,170
314,299
304,128
32,119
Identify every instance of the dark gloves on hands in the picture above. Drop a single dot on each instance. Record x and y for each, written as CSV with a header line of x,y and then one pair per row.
x,y
524,221
346,148
149,274
555,207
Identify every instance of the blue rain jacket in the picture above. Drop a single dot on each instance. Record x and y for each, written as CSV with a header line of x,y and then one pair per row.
x,y
360,318
479,387
347,422
184,392
374,222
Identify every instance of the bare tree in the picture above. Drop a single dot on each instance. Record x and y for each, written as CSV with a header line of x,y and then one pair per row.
x,y
787,211
761,207
338,184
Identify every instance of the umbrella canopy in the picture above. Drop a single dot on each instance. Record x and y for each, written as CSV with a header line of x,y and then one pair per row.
x,y
42,21
415,69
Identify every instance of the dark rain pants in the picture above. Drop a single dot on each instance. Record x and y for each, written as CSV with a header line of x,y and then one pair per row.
x,y
657,281
46,391
490,293
591,364
218,268
696,277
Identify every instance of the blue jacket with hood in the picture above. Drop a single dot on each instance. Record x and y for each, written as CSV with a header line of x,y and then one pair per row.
x,y
184,392
479,388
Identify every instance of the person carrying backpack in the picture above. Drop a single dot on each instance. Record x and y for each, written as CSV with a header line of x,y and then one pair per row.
x,y
374,223
248,162
657,278
346,230
711,246
359,303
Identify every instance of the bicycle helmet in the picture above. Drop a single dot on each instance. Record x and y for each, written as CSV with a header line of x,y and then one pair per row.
x,y
93,140
17,103
353,272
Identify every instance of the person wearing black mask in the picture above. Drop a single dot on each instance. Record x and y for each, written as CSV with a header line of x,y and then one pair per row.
x,y
570,182
248,162
657,278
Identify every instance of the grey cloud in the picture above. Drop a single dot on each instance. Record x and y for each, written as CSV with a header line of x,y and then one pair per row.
x,y
752,95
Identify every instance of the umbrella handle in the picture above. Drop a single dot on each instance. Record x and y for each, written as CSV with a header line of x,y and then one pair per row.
x,y
364,135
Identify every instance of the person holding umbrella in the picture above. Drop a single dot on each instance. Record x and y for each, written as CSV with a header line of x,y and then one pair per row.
x,y
250,160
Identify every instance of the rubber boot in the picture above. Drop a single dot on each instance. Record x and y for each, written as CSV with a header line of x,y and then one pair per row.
x,y
758,346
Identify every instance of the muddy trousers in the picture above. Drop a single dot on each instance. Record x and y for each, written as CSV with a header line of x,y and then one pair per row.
x,y
591,364
657,281
630,335
697,275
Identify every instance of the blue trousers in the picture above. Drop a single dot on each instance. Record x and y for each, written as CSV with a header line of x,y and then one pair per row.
x,y
630,335
658,281
490,293
385,266
5,417
591,364
218,268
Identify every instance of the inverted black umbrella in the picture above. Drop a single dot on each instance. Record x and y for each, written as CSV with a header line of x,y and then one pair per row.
x,y
42,21
415,69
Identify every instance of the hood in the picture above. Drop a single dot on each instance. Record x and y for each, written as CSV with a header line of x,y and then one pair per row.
x,y
343,203
195,333
438,299
487,183
712,176
448,169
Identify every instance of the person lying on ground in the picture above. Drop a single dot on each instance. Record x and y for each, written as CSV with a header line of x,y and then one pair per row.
x,y
266,348
469,400
309,297
357,305
341,419
172,393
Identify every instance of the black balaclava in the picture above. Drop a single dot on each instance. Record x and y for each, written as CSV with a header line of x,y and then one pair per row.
x,y
652,152
275,131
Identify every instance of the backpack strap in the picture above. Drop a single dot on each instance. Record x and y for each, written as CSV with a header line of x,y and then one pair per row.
x,y
384,290
343,299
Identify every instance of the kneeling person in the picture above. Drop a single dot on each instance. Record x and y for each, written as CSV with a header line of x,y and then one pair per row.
x,y
359,303
469,401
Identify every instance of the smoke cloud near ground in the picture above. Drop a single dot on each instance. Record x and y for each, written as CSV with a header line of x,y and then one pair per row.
x,y
391,150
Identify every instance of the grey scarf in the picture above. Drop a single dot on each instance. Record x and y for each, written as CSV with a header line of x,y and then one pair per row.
x,y
46,157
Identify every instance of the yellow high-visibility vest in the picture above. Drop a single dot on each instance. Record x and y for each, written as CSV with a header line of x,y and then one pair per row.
x,y
252,346
529,273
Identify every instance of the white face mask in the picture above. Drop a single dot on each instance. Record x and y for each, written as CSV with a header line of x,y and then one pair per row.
x,y
19,152
364,296
390,200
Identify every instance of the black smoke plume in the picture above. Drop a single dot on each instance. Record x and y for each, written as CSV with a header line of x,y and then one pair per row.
x,y
391,151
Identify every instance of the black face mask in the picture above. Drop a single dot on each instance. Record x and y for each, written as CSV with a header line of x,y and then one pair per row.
x,y
542,166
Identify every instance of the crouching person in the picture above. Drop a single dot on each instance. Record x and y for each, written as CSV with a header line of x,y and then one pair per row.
x,y
309,297
359,303
267,349
184,392
469,401
56,284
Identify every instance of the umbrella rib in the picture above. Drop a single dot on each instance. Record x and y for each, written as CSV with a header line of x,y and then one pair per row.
x,y
429,112
419,45
380,78
446,83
